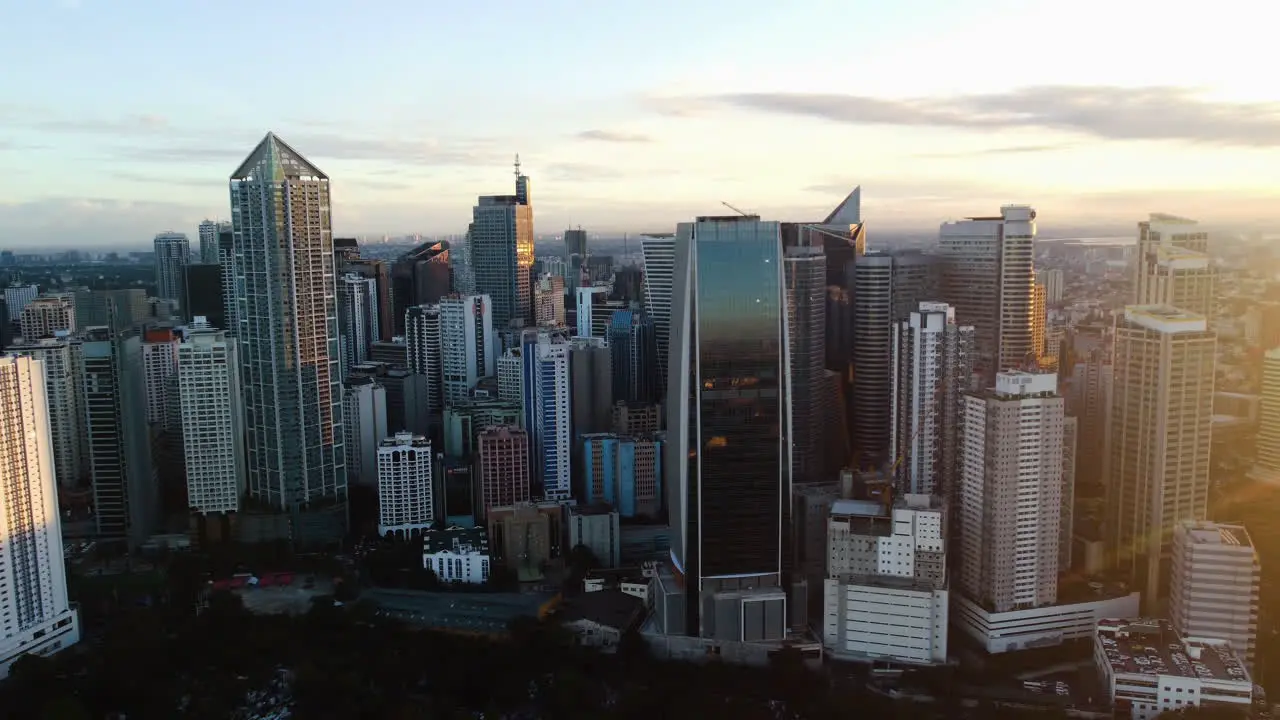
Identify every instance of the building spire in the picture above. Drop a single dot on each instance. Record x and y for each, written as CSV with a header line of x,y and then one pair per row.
x,y
517,165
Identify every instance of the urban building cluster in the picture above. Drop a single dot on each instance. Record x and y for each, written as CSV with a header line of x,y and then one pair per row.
x,y
803,440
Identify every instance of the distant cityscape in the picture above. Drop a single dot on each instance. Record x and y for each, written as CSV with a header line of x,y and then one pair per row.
x,y
731,438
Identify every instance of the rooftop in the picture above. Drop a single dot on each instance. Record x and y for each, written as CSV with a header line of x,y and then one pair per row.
x,y
1165,318
612,608
457,540
1211,533
1153,647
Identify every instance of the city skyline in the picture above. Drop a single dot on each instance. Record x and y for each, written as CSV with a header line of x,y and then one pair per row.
x,y
624,126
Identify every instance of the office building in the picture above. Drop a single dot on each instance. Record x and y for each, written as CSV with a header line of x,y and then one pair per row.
x,y
468,344
1052,279
457,555
1214,588
230,289
805,278
632,357
208,237
932,363
464,422
358,325
287,312
552,426
728,446
125,492
636,418
377,272
364,410
1172,266
212,411
159,365
47,316
548,301
502,467
1088,396
591,381
591,312
500,240
885,287
421,277
1011,492
423,351
406,505
526,537
623,471
60,358
596,528
35,615
1149,669
1157,462
885,595
173,254
575,243
659,255
16,297
989,278
205,297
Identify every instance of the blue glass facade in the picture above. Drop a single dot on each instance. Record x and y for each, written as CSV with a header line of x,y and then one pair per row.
x,y
624,472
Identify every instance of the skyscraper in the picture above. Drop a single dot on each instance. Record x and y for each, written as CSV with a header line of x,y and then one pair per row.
x,y
575,243
1215,584
1157,462
501,250
553,427
212,413
1172,266
632,357
159,364
230,290
1011,492
989,278
1267,463
206,296
286,312
35,615
47,316
932,363
59,356
422,344
806,275
548,301
405,489
468,344
208,234
358,325
729,447
659,253
173,254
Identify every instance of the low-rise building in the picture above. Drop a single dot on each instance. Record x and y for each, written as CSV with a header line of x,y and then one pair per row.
x,y
597,528
600,619
1214,586
1044,626
1149,669
458,555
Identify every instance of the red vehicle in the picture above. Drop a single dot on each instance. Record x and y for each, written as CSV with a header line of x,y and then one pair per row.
x,y
238,582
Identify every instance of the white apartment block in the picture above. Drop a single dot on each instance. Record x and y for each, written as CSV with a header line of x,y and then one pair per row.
x,y
17,296
1149,668
457,555
364,412
1052,279
212,411
47,316
932,365
468,344
35,615
159,364
885,596
62,392
1214,587
405,501
553,431
1267,462
1011,492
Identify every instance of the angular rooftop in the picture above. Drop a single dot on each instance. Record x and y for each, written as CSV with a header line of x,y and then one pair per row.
x,y
274,158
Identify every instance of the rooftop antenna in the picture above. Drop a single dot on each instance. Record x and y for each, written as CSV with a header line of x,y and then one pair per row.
x,y
517,164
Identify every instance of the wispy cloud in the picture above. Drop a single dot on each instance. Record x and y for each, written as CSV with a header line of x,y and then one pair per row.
x,y
613,136
1115,113
580,172
1007,150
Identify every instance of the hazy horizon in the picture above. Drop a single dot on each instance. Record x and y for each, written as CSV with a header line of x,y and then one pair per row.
x,y
624,124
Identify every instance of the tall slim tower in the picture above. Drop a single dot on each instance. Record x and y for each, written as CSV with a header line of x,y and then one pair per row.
x,y
552,415
212,422
468,344
932,363
358,326
1157,462
286,313
1267,462
230,291
422,345
729,419
990,279
61,360
208,233
173,254
659,254
806,276
1011,492
35,616
500,240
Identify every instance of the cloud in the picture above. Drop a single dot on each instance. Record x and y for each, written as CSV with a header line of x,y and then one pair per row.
x,y
1009,150
580,172
63,222
1114,113
166,179
613,136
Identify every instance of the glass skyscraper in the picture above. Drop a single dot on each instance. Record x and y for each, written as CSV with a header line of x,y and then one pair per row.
x,y
500,242
288,319
729,420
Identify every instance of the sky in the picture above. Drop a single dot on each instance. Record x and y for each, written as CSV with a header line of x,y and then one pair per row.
x,y
120,119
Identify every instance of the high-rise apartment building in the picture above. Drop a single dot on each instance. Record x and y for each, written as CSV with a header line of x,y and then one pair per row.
x,y
287,309
1172,266
16,297
35,615
575,242
886,287
1267,461
552,426
728,444
405,489
358,325
989,278
632,357
590,311
159,364
205,295
208,235
230,288
500,241
125,492
212,411
468,344
47,316
364,413
805,275
623,471
1011,492
1214,588
377,272
60,358
1040,325
422,345
1088,398
502,467
932,363
173,254
1158,432
1052,279
659,254
548,301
